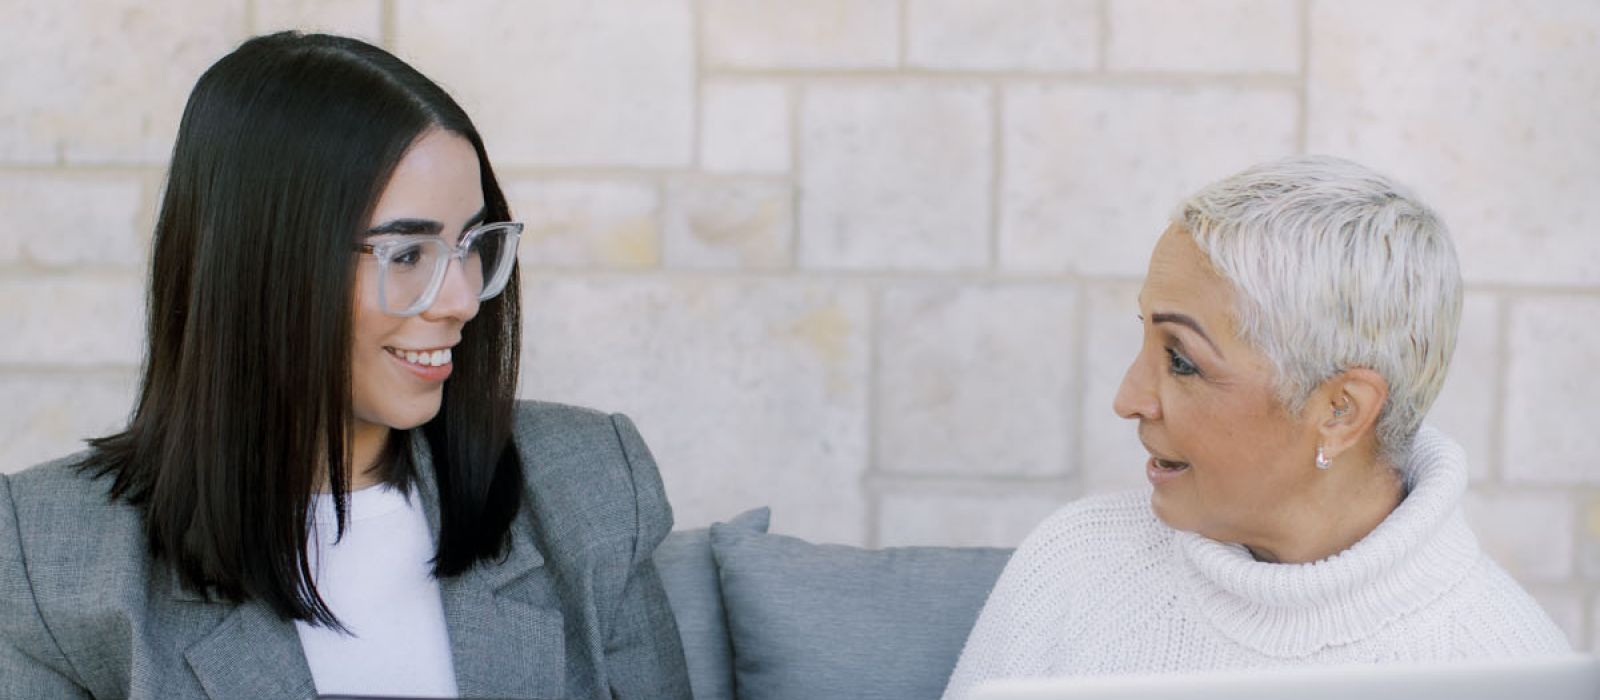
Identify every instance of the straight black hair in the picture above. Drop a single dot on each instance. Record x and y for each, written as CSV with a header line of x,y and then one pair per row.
x,y
285,146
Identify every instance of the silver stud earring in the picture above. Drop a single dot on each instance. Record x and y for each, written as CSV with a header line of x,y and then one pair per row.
x,y
1322,459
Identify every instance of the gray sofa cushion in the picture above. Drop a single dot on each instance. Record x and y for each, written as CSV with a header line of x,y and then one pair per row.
x,y
813,621
689,574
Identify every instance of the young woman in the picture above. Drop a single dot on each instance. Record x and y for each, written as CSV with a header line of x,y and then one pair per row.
x,y
327,485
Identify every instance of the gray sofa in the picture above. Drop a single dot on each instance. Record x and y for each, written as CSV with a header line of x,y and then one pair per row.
x,y
766,616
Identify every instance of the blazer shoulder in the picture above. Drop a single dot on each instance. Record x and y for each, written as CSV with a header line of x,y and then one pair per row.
x,y
63,542
590,476
67,528
61,499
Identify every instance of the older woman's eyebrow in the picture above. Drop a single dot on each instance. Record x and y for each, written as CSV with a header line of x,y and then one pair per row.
x,y
1188,321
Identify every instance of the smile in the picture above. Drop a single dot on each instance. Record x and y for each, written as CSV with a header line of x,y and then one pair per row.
x,y
422,358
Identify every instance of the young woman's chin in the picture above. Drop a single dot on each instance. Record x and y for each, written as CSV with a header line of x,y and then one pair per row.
x,y
401,412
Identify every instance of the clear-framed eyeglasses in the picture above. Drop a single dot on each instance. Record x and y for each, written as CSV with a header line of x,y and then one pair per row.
x,y
412,268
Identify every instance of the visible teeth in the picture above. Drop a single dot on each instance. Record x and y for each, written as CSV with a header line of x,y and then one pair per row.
x,y
437,358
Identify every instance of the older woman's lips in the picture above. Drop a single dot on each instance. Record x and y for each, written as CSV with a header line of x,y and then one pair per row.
x,y
1161,471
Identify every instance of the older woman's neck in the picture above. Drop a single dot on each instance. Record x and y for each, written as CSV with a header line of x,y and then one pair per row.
x,y
1347,506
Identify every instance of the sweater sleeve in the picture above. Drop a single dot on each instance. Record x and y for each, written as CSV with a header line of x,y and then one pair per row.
x,y
1015,634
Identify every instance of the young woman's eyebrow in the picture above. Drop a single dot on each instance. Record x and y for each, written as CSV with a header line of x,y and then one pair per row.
x,y
1183,320
408,227
421,227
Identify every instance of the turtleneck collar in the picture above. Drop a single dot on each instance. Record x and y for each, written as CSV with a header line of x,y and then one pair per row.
x,y
1417,553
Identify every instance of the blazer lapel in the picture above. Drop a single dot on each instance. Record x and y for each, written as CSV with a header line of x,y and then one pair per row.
x,y
501,647
251,654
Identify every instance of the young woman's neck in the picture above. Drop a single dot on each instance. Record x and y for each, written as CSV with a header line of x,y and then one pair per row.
x,y
367,441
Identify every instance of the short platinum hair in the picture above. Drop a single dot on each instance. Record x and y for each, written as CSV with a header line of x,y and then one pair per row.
x,y
1335,267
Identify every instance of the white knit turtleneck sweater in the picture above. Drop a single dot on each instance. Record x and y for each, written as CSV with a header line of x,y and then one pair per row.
x,y
1104,587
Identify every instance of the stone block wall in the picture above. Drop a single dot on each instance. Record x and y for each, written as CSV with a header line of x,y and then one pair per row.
x,y
872,262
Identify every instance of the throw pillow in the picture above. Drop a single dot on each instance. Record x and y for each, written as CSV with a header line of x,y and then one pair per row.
x,y
689,574
814,621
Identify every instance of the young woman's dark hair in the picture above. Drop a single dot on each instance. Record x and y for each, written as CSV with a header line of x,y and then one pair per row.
x,y
284,149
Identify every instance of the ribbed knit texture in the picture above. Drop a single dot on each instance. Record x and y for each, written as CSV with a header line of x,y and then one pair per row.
x,y
1104,587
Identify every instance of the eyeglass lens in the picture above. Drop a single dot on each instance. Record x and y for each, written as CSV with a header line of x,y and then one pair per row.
x,y
416,267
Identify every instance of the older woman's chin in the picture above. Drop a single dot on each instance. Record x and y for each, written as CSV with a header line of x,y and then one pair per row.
x,y
1171,509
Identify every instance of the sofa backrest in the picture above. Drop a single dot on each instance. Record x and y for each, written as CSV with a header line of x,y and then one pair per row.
x,y
805,620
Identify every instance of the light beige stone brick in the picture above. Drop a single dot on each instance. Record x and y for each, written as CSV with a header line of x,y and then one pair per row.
x,y
1550,434
983,516
1486,108
362,19
800,33
618,92
62,219
1041,35
1113,458
43,417
1530,534
1092,171
105,82
976,380
1465,407
71,321
749,392
895,176
1204,36
729,224
744,127
608,224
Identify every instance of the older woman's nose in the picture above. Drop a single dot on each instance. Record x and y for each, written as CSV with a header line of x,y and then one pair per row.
x,y
1136,398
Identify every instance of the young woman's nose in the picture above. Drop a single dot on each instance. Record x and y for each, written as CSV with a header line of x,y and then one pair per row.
x,y
457,300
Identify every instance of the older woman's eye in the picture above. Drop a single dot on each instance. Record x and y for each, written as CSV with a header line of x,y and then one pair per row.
x,y
1180,365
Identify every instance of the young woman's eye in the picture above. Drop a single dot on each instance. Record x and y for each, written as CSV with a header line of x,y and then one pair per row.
x,y
1179,365
408,256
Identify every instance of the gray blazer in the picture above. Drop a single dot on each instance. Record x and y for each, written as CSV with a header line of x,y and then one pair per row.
x,y
575,610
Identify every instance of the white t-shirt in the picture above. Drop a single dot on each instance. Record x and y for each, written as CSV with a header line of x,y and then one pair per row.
x,y
377,582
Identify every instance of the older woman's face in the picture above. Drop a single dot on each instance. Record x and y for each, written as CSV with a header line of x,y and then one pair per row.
x,y
1227,459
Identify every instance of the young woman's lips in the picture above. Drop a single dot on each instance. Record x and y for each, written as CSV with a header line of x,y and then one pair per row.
x,y
429,366
1160,471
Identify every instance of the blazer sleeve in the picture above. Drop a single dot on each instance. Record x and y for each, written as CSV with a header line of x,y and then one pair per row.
x,y
31,663
644,654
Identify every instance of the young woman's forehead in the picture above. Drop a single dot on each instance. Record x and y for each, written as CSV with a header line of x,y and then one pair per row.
x,y
437,180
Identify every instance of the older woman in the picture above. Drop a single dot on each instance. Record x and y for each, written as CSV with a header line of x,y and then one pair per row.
x,y
1298,321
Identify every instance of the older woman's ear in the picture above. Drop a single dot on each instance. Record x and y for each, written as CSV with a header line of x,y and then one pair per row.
x,y
1346,410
